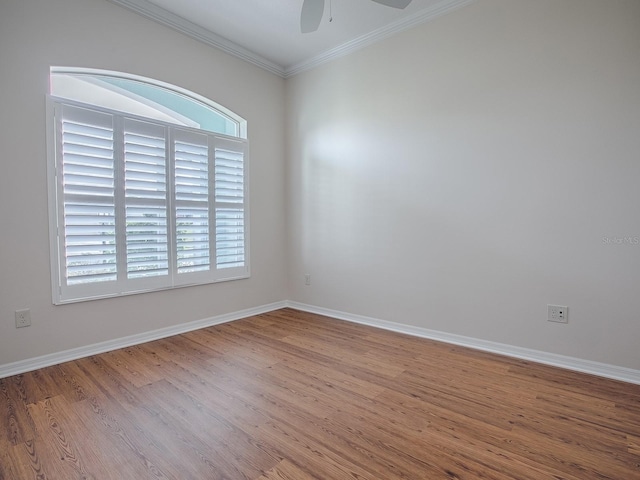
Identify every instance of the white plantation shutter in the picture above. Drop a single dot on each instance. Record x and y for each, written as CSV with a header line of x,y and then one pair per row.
x,y
230,206
85,140
146,199
193,234
142,205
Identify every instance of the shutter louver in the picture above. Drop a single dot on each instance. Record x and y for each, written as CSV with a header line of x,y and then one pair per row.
x,y
192,203
145,175
88,184
230,221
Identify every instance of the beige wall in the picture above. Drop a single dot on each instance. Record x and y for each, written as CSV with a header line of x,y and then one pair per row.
x,y
95,33
459,176
462,175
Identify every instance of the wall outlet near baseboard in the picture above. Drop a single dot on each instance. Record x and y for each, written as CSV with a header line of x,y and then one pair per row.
x,y
558,313
307,279
23,318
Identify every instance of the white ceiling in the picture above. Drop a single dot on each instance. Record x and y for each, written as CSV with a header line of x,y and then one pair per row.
x,y
267,32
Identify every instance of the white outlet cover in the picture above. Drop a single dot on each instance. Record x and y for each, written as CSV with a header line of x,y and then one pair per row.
x,y
558,313
23,318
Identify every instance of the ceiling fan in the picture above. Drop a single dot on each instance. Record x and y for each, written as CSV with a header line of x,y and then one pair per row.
x,y
312,11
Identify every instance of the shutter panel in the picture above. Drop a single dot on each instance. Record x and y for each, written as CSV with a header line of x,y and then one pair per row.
x,y
191,151
86,159
230,204
145,194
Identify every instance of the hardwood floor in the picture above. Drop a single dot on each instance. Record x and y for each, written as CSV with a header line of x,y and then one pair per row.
x,y
294,396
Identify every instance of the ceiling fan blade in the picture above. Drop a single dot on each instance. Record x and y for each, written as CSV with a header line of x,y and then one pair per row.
x,y
311,15
394,3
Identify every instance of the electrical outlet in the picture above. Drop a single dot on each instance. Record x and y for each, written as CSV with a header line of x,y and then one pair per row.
x,y
307,279
557,313
23,318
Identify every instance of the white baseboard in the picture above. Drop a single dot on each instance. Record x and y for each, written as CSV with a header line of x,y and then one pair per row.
x,y
570,363
56,358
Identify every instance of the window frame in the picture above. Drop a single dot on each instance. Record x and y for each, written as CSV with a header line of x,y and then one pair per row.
x,y
63,293
225,112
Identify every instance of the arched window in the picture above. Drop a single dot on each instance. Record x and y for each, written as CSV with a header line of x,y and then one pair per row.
x,y
147,185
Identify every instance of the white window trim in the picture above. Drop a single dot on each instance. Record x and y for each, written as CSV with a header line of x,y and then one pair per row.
x,y
242,124
56,217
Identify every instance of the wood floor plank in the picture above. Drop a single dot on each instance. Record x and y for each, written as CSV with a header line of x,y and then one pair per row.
x,y
225,345
208,439
16,425
291,395
99,374
314,457
76,382
285,470
34,459
135,449
7,469
211,389
461,433
54,436
633,444
132,366
35,386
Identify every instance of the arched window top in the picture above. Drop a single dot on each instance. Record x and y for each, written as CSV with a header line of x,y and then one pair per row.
x,y
145,97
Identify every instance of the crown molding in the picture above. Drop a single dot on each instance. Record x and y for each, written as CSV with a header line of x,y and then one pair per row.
x,y
423,16
171,20
176,22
